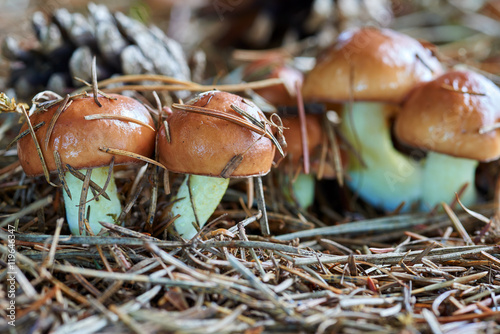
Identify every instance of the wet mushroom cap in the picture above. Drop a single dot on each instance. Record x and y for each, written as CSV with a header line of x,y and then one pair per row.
x,y
204,145
78,140
384,65
445,115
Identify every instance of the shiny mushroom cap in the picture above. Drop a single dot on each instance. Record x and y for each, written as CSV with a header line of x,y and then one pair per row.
x,y
449,115
204,145
370,64
78,140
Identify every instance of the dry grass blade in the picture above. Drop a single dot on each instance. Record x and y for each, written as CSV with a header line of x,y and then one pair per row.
x,y
38,149
120,118
261,204
199,88
458,225
464,279
60,173
23,134
27,210
312,280
117,151
261,125
95,89
82,206
231,166
432,321
451,88
62,107
154,199
79,175
106,183
473,213
337,158
129,232
166,182
489,128
254,281
49,260
167,130
303,129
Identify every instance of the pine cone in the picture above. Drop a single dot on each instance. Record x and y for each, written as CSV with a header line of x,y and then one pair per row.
x,y
68,41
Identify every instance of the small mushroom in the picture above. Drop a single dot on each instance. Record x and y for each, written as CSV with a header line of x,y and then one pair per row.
x,y
455,117
207,149
303,185
79,141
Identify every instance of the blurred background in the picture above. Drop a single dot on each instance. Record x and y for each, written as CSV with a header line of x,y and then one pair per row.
x,y
467,31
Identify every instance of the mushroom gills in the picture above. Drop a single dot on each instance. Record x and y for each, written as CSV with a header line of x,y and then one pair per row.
x,y
389,177
101,210
206,192
443,176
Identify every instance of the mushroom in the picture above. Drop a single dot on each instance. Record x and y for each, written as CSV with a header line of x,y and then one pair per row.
x,y
78,140
207,149
455,118
303,185
374,69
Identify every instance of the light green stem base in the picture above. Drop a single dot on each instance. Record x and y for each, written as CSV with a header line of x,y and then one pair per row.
x,y
443,176
389,177
99,210
207,193
303,190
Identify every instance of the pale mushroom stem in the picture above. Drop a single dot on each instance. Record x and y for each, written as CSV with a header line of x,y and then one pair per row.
x,y
389,177
443,176
206,192
303,187
100,210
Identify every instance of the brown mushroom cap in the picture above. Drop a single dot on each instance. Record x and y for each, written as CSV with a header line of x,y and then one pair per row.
x,y
446,114
316,136
78,140
282,95
384,65
294,140
204,145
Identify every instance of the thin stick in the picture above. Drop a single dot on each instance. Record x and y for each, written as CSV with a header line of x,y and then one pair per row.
x,y
303,129
117,151
62,107
79,175
23,134
38,149
199,88
60,173
120,118
458,225
465,279
261,204
83,197
95,88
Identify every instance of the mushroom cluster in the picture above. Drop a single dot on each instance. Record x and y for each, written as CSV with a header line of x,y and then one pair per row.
x,y
383,77
371,71
454,117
